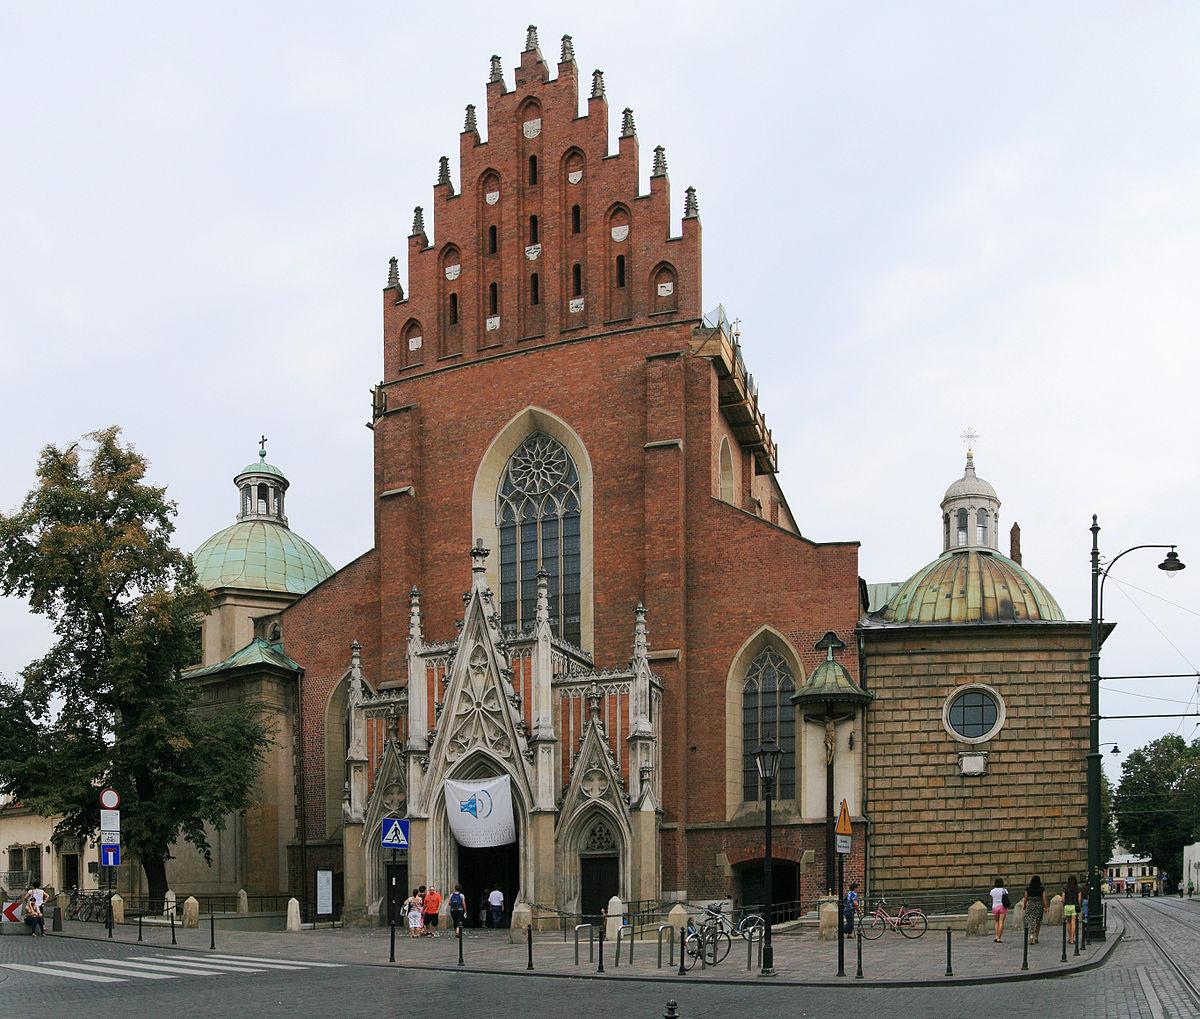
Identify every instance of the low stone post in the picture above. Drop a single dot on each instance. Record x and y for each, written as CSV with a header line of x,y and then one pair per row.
x,y
293,918
1016,916
118,909
191,912
616,913
678,917
64,902
829,920
1054,914
169,903
243,901
977,917
522,917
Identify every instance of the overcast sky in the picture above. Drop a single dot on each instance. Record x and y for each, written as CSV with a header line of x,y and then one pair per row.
x,y
927,216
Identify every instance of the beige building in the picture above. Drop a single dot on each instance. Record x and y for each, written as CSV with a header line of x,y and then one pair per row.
x,y
32,855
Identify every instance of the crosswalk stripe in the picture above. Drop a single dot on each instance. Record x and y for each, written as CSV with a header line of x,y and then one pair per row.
x,y
277,962
211,967
46,971
151,968
210,960
116,969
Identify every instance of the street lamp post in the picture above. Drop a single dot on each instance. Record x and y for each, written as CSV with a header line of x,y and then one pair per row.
x,y
1169,565
767,759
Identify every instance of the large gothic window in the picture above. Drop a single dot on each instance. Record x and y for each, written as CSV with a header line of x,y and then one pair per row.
x,y
537,512
767,710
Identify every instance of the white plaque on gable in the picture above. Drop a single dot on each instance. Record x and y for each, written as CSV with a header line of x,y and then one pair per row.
x,y
452,271
532,128
414,343
666,289
492,197
619,233
576,305
575,176
493,323
533,251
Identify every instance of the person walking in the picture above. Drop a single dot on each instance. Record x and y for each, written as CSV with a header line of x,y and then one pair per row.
x,y
1070,905
484,914
1191,888
1035,906
458,907
414,908
496,903
433,903
850,908
1001,904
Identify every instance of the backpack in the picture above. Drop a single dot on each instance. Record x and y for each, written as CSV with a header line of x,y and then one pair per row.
x,y
1005,901
457,901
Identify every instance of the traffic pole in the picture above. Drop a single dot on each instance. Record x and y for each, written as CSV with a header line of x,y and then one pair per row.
x,y
1064,927
392,949
460,941
529,940
841,914
603,928
212,930
858,975
139,925
172,926
1078,933
949,967
1025,951
682,940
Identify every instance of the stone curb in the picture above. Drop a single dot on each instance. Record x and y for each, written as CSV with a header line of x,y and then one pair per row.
x,y
674,978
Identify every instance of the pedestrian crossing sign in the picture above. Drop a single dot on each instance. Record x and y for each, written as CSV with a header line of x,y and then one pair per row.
x,y
394,834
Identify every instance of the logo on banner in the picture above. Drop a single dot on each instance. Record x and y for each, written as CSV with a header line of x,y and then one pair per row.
x,y
478,806
484,817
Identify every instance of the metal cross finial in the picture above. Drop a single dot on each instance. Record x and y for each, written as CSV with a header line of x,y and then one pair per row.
x,y
969,437
262,448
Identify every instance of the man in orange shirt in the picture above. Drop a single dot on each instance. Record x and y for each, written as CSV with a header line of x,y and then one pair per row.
x,y
433,902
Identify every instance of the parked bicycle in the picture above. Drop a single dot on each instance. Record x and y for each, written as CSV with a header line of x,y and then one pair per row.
x,y
912,923
751,926
87,906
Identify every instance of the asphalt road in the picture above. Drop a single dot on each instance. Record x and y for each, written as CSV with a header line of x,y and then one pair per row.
x,y
63,976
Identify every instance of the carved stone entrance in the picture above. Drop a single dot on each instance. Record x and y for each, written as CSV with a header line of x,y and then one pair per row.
x,y
599,870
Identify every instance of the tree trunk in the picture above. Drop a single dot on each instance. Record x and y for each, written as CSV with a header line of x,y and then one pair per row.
x,y
156,877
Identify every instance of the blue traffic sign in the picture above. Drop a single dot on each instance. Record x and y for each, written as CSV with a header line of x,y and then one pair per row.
x,y
394,834
110,856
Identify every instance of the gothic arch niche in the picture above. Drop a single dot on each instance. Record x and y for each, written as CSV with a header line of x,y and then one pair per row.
x,y
337,725
593,857
727,487
487,483
767,637
412,343
450,300
619,271
663,289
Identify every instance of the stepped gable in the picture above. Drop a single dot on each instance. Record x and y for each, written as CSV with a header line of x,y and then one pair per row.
x,y
545,237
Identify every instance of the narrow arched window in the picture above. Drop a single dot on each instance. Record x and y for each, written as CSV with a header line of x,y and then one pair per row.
x,y
946,532
491,240
454,309
577,280
247,500
768,711
726,472
533,230
533,170
620,272
264,500
537,513
494,299
981,528
575,217
534,296
963,524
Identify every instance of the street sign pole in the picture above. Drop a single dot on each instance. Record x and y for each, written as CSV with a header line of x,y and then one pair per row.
x,y
841,914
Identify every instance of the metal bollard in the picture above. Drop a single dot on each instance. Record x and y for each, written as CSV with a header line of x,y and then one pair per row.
x,y
672,1011
591,929
1078,933
1085,926
212,931
682,949
858,974
392,946
671,936
108,919
603,931
460,941
172,927
529,940
139,926
1064,926
1025,951
56,922
949,968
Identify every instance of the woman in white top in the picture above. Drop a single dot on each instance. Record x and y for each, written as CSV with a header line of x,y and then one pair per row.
x,y
999,908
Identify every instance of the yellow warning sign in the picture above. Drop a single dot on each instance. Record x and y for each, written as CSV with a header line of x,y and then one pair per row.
x,y
844,827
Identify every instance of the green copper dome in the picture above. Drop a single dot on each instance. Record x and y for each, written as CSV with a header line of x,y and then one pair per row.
x,y
260,555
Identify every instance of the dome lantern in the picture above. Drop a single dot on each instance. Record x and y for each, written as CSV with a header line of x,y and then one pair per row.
x,y
261,487
970,512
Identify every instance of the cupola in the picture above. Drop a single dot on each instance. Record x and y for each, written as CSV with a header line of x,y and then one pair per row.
x,y
970,512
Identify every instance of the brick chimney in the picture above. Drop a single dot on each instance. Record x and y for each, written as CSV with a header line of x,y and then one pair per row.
x,y
1014,543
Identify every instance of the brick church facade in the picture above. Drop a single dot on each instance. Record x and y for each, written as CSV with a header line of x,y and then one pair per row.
x,y
552,390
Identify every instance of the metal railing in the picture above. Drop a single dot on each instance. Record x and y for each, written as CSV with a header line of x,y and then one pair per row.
x,y
934,901
781,912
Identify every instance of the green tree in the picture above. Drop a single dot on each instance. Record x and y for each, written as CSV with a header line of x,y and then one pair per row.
x,y
1155,804
1108,831
90,549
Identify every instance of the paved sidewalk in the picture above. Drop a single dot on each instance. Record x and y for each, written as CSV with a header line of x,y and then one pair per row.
x,y
799,957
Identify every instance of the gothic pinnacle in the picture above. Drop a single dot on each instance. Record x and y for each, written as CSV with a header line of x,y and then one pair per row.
x,y
444,170
418,221
597,84
497,73
660,161
568,51
393,272
531,39
691,208
471,124
628,129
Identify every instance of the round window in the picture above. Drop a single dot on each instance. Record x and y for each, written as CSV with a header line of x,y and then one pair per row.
x,y
973,714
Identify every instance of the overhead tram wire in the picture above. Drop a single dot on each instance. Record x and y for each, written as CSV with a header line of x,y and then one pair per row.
x,y
1182,608
1145,615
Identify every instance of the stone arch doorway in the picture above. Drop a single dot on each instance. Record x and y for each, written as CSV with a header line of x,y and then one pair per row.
x,y
750,889
599,868
387,885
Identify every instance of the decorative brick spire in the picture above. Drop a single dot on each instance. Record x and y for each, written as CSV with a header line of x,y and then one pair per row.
x,y
418,229
597,84
660,161
628,128
393,272
444,172
568,51
641,643
497,73
472,124
531,39
691,208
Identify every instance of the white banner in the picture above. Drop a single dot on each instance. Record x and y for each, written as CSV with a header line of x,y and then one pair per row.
x,y
481,813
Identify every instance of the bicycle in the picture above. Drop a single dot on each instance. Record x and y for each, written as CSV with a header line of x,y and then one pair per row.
x,y
912,923
708,942
751,927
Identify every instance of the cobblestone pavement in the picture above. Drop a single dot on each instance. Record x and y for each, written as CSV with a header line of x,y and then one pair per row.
x,y
1135,981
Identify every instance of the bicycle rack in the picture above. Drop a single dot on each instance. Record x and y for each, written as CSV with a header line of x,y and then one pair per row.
x,y
671,935
752,937
626,932
591,929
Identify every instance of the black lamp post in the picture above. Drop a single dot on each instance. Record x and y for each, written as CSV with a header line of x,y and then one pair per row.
x,y
767,758
1170,565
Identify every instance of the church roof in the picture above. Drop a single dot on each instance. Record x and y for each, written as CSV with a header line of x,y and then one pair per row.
x,y
973,585
260,555
257,652
830,683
